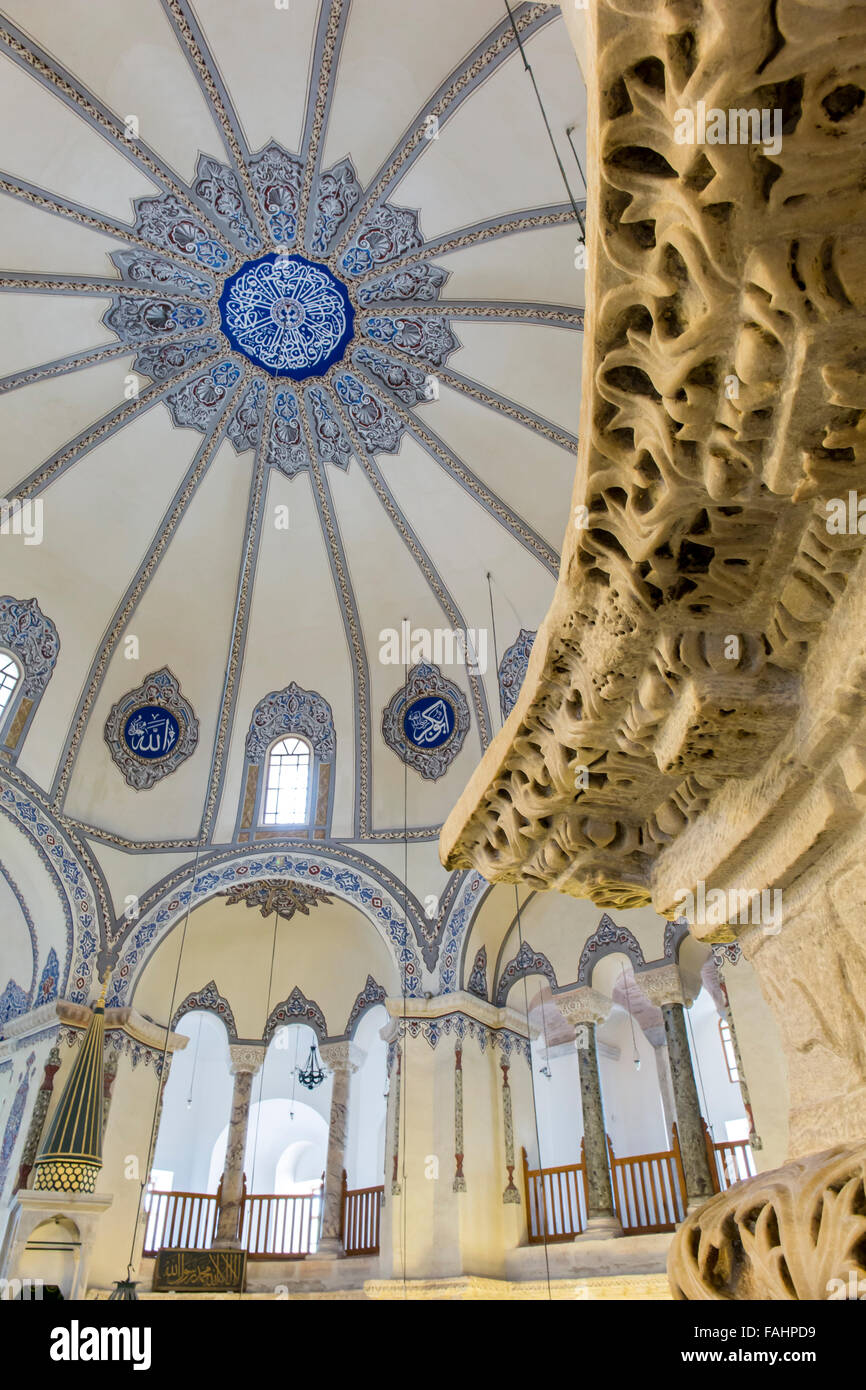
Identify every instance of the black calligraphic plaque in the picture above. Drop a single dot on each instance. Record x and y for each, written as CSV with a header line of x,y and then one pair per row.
x,y
200,1271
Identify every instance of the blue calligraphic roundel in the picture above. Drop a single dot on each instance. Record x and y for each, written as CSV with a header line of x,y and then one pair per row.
x,y
151,732
429,721
288,315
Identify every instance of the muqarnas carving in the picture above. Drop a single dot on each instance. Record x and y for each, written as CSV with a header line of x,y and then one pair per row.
x,y
152,730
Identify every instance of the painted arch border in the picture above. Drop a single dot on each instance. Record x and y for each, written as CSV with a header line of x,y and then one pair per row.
x,y
71,881
359,884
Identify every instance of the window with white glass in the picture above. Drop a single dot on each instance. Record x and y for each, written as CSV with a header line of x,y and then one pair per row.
x,y
10,676
287,783
729,1050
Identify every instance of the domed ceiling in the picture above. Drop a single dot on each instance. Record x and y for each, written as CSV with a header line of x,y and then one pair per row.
x,y
291,335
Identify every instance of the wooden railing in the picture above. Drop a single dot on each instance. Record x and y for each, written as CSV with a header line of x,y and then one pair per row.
x,y
731,1161
276,1226
649,1190
179,1221
273,1226
360,1211
555,1201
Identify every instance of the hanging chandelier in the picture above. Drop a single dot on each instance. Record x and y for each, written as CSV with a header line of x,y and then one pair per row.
x,y
312,1075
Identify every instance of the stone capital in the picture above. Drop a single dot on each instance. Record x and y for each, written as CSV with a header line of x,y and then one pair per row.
x,y
245,1057
584,1005
663,985
342,1056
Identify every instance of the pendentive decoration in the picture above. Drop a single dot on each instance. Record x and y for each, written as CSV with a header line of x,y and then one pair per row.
x,y
152,730
426,721
278,895
287,314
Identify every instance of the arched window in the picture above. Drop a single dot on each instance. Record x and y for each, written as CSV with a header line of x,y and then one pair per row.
x,y
729,1050
291,749
287,783
10,678
28,652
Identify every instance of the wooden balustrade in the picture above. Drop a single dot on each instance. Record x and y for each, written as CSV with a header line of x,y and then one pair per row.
x,y
649,1193
273,1226
179,1221
280,1226
649,1190
555,1201
731,1161
360,1210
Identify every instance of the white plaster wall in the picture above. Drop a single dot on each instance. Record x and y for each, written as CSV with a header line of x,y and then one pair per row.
x,y
188,1132
721,1099
367,1104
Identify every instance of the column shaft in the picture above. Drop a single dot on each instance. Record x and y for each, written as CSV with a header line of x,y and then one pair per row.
x,y
336,1161
228,1222
693,1145
599,1196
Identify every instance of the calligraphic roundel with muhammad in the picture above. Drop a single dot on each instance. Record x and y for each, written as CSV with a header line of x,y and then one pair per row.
x,y
152,730
426,721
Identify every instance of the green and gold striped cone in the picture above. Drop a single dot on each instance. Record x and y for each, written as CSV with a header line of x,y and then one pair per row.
x,y
71,1153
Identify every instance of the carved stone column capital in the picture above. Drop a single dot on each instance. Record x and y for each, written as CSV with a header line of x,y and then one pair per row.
x,y
663,985
584,1005
245,1057
342,1056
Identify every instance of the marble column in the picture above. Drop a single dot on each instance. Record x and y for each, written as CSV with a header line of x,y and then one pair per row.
x,y
657,1037
343,1058
585,1009
664,986
245,1062
37,1121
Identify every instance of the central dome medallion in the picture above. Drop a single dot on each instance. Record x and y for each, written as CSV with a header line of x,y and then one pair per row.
x,y
288,315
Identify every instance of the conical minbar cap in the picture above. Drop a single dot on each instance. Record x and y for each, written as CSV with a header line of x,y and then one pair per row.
x,y
71,1152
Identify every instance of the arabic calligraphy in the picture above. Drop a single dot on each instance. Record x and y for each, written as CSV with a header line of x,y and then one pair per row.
x,y
287,314
429,721
200,1271
151,732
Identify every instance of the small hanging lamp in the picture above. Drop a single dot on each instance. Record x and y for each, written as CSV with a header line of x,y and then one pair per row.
x,y
312,1075
124,1290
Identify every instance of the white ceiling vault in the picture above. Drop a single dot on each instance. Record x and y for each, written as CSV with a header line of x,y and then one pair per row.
x,y
290,337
